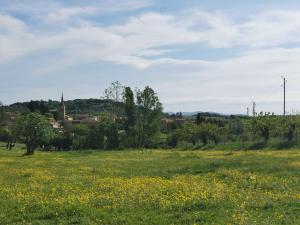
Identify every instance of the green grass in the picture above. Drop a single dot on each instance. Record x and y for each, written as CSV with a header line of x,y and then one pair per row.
x,y
273,144
150,187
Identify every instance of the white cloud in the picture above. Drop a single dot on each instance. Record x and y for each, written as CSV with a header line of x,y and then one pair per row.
x,y
13,37
145,35
41,6
69,12
144,41
10,25
271,28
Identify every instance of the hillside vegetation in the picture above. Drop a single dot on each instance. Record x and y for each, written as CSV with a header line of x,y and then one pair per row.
x,y
150,187
77,106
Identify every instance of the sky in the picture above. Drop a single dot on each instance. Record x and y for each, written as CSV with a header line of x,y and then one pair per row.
x,y
209,55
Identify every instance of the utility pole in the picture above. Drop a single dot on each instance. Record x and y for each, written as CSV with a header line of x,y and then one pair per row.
x,y
284,88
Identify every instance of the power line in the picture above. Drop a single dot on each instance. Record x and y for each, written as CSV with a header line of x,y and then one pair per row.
x,y
269,95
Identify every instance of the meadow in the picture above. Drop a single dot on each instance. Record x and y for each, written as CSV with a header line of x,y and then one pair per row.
x,y
150,187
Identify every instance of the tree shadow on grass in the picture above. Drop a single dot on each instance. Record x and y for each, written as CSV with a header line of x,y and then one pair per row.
x,y
257,146
286,145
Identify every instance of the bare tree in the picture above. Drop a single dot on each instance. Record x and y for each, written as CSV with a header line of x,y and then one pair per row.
x,y
114,93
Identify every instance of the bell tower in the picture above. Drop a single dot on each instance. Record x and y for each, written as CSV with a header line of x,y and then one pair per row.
x,y
62,109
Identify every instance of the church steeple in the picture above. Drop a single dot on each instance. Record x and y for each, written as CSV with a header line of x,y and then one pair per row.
x,y
62,99
62,109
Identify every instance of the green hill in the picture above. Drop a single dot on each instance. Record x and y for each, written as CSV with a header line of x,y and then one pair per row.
x,y
77,106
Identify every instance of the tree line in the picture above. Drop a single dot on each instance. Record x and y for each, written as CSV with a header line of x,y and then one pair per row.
x,y
260,131
132,119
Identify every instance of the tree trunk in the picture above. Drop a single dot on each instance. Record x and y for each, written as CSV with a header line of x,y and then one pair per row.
x,y
29,150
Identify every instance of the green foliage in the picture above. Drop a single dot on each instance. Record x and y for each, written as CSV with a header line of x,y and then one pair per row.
x,y
77,106
130,117
87,137
81,129
264,125
38,106
173,139
205,132
78,142
34,130
200,119
5,134
268,125
111,133
109,127
149,111
95,139
62,141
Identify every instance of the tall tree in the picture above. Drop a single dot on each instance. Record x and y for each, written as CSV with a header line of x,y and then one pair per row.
x,y
149,111
110,129
33,106
32,129
130,116
180,115
199,119
43,107
95,138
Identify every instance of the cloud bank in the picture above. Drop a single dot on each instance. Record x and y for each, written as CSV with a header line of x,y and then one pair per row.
x,y
264,46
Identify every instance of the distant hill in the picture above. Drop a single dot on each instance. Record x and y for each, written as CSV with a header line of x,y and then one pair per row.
x,y
205,114
88,106
77,106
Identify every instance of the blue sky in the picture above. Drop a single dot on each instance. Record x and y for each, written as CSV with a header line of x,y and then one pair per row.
x,y
208,55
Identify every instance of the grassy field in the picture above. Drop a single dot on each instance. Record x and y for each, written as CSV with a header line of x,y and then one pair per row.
x,y
150,187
